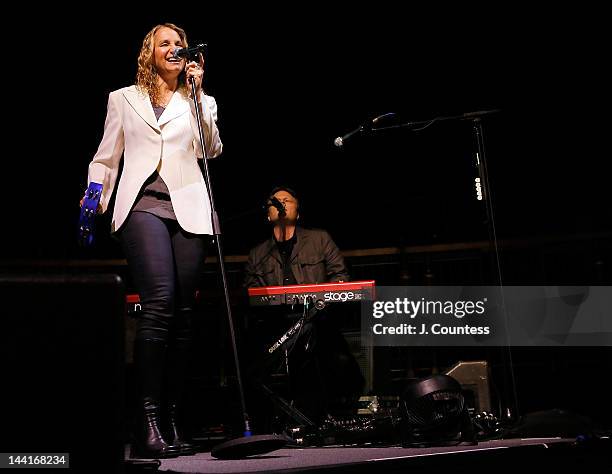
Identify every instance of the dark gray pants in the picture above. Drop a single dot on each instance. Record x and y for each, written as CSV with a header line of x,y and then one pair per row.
x,y
166,265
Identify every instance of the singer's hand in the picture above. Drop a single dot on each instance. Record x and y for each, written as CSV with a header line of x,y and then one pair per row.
x,y
98,210
195,70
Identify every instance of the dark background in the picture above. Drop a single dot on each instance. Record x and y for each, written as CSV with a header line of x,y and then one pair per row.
x,y
288,81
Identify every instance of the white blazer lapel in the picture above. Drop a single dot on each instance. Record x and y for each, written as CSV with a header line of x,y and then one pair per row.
x,y
178,105
142,106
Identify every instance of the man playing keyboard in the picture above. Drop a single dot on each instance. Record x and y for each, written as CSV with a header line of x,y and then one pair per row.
x,y
293,255
323,373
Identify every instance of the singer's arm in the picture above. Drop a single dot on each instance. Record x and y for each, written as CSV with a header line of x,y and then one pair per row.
x,y
104,167
208,106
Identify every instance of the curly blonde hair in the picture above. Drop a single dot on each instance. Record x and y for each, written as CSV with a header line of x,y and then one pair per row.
x,y
146,77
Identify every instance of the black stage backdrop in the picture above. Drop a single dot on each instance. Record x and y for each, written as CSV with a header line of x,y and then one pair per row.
x,y
289,80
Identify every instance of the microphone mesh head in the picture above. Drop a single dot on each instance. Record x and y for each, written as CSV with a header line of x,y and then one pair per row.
x,y
338,141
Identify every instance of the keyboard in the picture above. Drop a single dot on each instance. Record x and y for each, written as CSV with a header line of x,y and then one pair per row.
x,y
316,294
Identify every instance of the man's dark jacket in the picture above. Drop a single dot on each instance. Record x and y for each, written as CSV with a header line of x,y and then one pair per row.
x,y
315,259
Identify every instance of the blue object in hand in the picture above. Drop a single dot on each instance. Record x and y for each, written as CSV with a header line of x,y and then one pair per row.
x,y
88,214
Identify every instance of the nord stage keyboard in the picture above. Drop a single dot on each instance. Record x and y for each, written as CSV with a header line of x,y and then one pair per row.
x,y
319,294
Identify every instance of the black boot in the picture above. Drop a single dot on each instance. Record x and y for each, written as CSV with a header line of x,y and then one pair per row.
x,y
178,360
175,437
150,443
149,358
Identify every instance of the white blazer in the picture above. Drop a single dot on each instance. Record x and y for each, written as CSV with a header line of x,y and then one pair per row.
x,y
169,145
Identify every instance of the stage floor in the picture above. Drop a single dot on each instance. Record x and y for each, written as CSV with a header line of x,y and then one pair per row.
x,y
558,453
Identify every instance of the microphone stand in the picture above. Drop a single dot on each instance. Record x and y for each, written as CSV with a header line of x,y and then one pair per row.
x,y
481,164
283,226
486,197
247,445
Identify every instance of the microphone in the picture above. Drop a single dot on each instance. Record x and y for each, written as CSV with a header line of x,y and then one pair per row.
x,y
274,202
190,53
383,116
339,141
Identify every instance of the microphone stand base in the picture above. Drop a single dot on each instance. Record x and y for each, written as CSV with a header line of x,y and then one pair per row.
x,y
245,446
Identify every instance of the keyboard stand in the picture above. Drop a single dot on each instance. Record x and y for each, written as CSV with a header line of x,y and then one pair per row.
x,y
285,406
295,329
309,314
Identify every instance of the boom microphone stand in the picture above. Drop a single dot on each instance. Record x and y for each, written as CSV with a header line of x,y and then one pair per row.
x,y
249,444
481,183
483,193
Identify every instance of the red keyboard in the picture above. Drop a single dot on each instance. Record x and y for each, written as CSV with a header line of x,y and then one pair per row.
x,y
320,293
